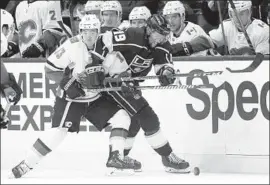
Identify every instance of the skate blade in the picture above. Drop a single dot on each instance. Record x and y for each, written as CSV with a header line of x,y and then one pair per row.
x,y
120,172
180,171
11,176
138,170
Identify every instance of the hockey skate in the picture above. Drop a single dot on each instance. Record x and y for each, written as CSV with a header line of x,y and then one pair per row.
x,y
174,164
136,164
117,165
20,170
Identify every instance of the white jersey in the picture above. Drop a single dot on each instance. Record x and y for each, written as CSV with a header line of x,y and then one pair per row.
x,y
257,31
4,43
190,32
33,18
73,53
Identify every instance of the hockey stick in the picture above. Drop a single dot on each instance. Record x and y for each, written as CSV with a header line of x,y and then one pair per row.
x,y
71,11
222,27
169,87
60,23
252,67
242,27
124,79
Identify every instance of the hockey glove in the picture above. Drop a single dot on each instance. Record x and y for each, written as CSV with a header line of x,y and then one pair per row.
x,y
129,88
182,49
92,77
3,120
12,90
166,76
13,49
35,50
70,85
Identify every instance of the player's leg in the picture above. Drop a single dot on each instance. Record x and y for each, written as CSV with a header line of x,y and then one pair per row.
x,y
104,112
66,118
132,133
151,127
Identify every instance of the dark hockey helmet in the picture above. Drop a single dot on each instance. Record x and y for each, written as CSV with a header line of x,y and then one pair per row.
x,y
158,23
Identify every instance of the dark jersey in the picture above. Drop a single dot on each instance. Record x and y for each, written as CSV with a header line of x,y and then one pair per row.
x,y
132,51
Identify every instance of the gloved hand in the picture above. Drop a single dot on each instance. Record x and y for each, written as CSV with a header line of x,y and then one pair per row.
x,y
70,85
35,50
129,88
166,76
92,77
182,49
12,90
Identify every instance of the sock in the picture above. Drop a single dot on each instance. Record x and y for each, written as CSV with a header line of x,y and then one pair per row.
x,y
128,145
159,143
117,139
42,147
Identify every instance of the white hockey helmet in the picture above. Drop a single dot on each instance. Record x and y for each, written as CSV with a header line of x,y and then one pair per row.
x,y
90,22
140,12
173,7
241,5
7,19
112,6
93,5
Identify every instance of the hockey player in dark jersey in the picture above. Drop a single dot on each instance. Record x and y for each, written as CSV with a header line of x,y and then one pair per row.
x,y
9,87
132,53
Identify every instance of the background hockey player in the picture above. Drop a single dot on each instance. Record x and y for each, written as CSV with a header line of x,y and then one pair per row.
x,y
256,29
138,16
9,87
8,30
132,53
73,101
39,31
111,15
93,7
185,35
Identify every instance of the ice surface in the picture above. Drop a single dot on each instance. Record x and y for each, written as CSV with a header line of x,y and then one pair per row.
x,y
98,176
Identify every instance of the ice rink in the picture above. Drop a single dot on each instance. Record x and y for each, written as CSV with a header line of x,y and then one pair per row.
x,y
98,176
84,163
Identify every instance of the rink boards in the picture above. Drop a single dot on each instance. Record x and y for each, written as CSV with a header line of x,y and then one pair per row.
x,y
225,129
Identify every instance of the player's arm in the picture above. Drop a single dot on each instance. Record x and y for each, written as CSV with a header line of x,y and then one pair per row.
x,y
217,35
57,62
9,86
200,43
262,43
163,64
52,35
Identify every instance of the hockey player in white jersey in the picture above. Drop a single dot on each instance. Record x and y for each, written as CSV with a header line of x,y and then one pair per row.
x,y
93,7
138,16
81,72
8,30
39,31
256,29
185,35
111,15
